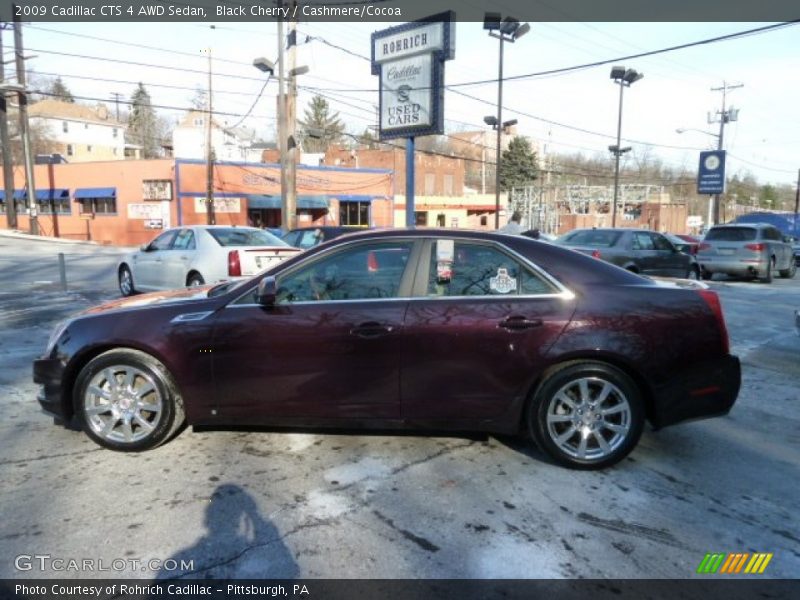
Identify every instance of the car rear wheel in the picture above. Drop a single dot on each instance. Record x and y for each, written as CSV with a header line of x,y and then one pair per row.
x,y
126,281
586,415
194,280
706,275
694,273
790,272
767,277
127,400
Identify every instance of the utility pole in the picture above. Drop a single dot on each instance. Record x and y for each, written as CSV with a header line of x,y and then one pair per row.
x,y
796,206
8,166
24,129
210,217
725,116
116,96
286,207
291,123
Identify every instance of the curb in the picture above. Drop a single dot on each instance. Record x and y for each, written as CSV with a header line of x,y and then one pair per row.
x,y
19,235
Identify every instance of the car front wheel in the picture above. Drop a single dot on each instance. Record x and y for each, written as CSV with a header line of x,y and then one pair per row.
x,y
194,280
127,400
586,415
126,281
790,272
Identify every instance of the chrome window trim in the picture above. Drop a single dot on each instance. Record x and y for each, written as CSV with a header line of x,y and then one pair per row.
x,y
564,292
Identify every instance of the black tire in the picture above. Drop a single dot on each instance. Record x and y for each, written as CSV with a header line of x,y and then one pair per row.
x,y
627,416
693,273
127,401
125,280
195,279
767,277
706,275
790,272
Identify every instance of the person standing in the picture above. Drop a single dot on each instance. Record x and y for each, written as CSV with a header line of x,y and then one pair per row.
x,y
514,225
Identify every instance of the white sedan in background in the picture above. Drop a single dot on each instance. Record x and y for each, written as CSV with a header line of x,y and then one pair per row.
x,y
199,254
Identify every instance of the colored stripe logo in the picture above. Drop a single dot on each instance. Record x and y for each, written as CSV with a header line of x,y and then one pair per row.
x,y
734,563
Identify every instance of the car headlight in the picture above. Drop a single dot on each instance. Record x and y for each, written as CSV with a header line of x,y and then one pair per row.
x,y
60,328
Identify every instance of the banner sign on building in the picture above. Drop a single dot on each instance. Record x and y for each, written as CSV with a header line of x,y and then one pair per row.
x,y
409,60
711,172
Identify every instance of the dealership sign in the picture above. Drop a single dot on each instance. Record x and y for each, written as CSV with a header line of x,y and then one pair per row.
x,y
409,59
711,172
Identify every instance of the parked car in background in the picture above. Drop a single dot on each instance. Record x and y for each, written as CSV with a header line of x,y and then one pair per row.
x,y
406,329
746,250
191,256
691,242
308,237
637,250
796,250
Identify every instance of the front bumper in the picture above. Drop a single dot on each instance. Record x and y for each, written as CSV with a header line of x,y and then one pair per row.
x,y
706,390
48,372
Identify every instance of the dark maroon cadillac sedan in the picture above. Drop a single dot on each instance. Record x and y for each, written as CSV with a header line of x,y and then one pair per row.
x,y
412,329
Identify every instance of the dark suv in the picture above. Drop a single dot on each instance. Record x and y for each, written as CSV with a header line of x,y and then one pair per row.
x,y
746,250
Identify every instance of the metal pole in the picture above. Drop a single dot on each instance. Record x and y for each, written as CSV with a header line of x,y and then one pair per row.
x,y
499,126
617,154
286,220
8,159
797,206
723,118
410,219
62,271
210,216
291,125
24,128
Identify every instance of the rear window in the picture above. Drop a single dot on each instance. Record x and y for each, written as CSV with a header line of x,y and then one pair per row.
x,y
731,234
235,236
590,237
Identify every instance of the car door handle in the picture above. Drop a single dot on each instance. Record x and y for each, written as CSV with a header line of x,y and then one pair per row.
x,y
371,329
517,323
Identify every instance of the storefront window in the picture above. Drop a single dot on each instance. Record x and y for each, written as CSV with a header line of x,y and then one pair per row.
x,y
354,213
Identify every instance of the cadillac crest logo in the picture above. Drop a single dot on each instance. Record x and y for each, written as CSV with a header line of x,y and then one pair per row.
x,y
503,283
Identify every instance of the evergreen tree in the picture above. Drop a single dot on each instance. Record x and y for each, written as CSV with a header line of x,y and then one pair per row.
x,y
518,166
143,124
320,122
59,91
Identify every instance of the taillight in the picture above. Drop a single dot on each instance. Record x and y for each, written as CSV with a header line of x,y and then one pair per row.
x,y
703,247
755,247
234,266
712,299
372,262
595,253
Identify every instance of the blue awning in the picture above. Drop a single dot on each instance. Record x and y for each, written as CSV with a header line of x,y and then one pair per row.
x,y
59,194
273,202
259,201
18,195
89,193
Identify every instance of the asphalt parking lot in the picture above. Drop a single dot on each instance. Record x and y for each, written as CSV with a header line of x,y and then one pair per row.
x,y
273,504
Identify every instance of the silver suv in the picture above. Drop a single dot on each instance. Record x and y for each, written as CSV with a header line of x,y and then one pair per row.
x,y
746,250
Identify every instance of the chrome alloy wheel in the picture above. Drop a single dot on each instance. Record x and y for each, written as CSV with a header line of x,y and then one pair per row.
x,y
589,418
125,282
122,404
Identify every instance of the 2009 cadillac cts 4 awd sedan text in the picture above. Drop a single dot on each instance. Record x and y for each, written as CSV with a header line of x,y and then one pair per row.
x,y
409,329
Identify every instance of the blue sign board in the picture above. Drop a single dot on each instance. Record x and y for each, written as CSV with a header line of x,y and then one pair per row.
x,y
711,172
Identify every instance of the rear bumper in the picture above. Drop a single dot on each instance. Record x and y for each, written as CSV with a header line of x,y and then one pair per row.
x,y
706,390
733,266
48,373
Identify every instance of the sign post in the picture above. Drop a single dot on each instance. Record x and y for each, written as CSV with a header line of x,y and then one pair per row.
x,y
409,60
711,177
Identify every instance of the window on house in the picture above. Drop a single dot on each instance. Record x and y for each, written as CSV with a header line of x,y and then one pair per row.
x,y
89,148
64,126
198,122
114,151
86,126
354,213
484,221
58,207
430,184
70,150
448,185
440,221
114,132
98,206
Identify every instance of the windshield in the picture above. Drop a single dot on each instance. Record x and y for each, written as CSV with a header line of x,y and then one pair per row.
x,y
590,237
731,234
240,236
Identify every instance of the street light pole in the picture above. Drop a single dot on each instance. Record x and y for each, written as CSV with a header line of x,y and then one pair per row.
x,y
624,78
8,161
508,29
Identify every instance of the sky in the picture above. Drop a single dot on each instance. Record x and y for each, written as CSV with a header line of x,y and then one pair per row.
x,y
575,112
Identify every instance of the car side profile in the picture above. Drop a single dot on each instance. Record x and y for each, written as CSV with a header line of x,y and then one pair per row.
x,y
756,250
636,250
199,254
403,329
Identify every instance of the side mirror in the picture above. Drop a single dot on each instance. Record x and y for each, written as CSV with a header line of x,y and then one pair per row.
x,y
145,247
266,292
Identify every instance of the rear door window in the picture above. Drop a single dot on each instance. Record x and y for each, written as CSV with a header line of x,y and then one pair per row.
x,y
592,237
731,234
643,241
